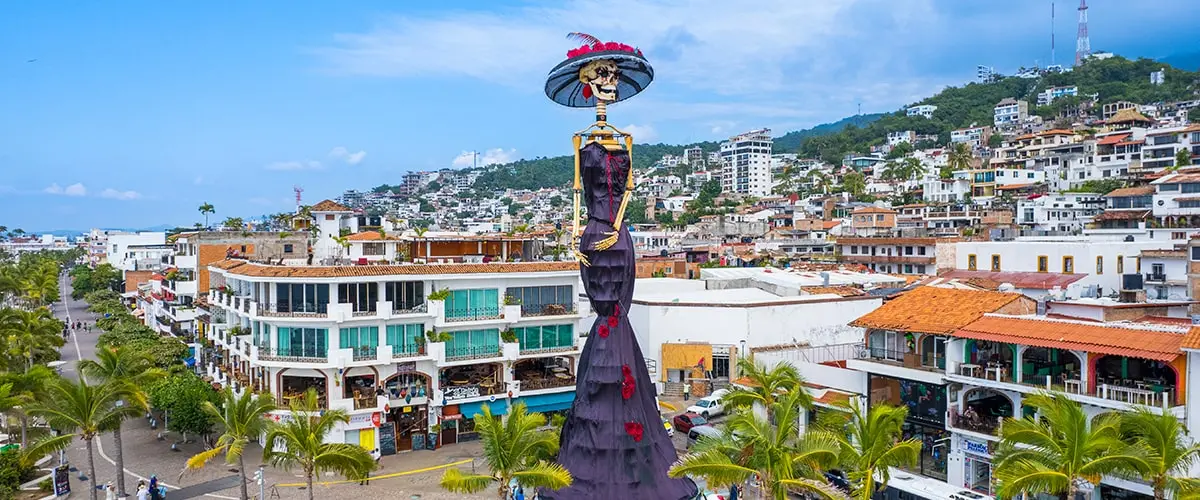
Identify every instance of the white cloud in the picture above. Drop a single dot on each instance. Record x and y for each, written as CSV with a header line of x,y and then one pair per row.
x,y
641,133
295,165
114,194
489,157
77,189
342,154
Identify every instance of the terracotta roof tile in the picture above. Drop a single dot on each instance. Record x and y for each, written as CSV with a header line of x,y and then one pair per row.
x,y
243,268
1122,215
1132,191
1039,281
1192,339
369,236
1112,140
873,210
929,309
329,206
1159,344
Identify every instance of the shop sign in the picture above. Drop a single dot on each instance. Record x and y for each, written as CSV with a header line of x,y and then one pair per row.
x,y
375,419
362,421
406,409
462,392
457,416
976,447
406,367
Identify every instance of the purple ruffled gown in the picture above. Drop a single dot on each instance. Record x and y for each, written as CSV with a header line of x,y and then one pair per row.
x,y
613,441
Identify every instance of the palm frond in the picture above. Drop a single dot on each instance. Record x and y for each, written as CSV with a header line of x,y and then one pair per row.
x,y
715,467
456,481
201,459
821,489
544,475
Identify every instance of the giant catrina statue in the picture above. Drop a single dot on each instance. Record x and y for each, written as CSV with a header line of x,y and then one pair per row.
x,y
613,442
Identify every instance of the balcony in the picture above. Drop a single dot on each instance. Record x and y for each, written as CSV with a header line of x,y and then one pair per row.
x,y
286,354
906,359
416,309
365,353
1156,278
473,314
480,352
283,311
537,310
408,350
972,421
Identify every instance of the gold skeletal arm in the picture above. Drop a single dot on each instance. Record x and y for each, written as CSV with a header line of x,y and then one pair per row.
x,y
577,188
611,239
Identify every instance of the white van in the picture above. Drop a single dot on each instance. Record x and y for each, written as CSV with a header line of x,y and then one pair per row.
x,y
701,432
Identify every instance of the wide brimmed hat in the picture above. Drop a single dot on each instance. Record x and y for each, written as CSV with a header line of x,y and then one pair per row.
x,y
563,85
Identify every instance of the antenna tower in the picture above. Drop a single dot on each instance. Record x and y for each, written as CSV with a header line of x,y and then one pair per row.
x,y
1083,46
1052,61
298,190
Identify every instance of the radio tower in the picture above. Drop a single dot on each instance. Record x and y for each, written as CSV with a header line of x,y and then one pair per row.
x,y
298,190
1083,46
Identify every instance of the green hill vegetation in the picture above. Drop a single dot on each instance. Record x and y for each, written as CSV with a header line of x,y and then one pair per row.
x,y
1114,79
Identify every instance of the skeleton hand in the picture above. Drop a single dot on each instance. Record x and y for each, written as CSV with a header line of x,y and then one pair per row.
x,y
581,258
608,241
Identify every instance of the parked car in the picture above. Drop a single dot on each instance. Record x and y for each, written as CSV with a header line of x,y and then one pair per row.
x,y
670,428
708,407
685,421
700,432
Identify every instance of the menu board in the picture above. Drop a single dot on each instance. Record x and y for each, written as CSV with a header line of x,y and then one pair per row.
x,y
387,439
62,481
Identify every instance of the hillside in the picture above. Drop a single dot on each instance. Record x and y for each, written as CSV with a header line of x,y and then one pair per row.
x,y
557,170
1114,79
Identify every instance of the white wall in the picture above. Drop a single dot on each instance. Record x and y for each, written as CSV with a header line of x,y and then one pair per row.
x,y
118,244
1021,256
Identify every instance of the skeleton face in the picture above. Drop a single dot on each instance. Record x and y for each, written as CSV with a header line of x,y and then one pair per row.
x,y
601,75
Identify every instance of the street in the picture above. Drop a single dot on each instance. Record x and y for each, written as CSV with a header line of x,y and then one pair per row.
x,y
412,475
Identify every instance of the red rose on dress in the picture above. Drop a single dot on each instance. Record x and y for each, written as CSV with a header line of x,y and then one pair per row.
x,y
617,309
603,331
634,429
628,385
612,321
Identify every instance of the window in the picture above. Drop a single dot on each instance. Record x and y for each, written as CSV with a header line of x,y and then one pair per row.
x,y
287,248
361,296
1178,235
1196,253
302,342
404,295
920,250
1043,264
473,343
853,249
1099,264
879,217
884,344
364,340
403,338
301,298
971,262
908,250
328,216
1068,264
995,263
1138,261
243,249
535,300
1168,187
1157,270
473,304
546,337
1120,264
374,248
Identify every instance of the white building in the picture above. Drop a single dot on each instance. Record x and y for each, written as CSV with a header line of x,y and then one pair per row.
x,y
1010,112
375,342
746,163
1166,274
118,253
1102,262
1045,97
1068,212
895,138
925,110
975,136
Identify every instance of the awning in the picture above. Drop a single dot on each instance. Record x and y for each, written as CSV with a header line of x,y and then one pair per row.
x,y
470,410
548,402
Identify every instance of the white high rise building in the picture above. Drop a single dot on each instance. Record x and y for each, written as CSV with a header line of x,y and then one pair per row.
x,y
746,163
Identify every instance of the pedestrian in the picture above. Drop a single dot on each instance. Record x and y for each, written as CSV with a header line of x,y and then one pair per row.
x,y
520,493
687,391
110,493
143,493
155,492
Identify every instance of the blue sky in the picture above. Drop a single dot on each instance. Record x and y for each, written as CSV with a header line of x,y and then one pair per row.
x,y
133,113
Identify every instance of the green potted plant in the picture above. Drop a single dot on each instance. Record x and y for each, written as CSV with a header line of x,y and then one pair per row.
x,y
509,336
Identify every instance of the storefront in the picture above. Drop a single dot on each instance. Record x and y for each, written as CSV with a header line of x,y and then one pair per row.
x,y
926,420
406,422
361,430
547,403
977,466
470,411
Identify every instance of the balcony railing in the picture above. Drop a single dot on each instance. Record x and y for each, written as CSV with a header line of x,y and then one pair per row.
x,y
457,353
408,350
419,308
533,383
295,355
907,359
275,310
983,424
547,309
547,349
365,353
1153,277
473,314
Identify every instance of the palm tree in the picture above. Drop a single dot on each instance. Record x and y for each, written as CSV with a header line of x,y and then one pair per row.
x,y
514,448
130,371
84,410
242,419
782,459
764,386
300,441
959,157
1171,453
30,335
870,442
233,223
205,209
40,285
27,385
1054,452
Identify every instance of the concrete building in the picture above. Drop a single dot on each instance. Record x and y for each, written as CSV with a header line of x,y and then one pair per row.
x,y
1063,212
746,163
1166,273
898,255
950,190
1009,113
694,157
412,369
925,110
975,136
1046,97
118,253
1101,262
873,221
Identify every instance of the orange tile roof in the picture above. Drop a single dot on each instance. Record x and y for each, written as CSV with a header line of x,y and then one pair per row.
x,y
1118,340
930,309
830,224
873,210
1057,131
1122,215
1192,339
1132,191
329,206
1016,186
1112,139
843,291
243,268
369,236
